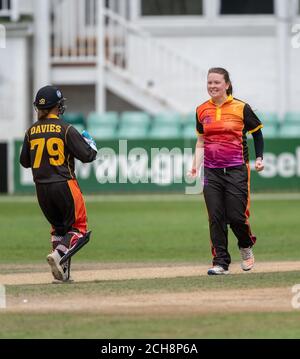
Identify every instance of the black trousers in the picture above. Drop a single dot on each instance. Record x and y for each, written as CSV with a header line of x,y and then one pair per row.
x,y
63,206
226,193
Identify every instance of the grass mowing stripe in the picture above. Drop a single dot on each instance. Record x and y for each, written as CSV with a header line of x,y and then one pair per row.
x,y
149,232
87,325
163,285
164,197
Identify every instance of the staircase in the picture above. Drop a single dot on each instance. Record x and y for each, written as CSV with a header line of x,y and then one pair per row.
x,y
136,66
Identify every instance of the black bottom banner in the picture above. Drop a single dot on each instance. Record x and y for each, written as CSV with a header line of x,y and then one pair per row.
x,y
90,349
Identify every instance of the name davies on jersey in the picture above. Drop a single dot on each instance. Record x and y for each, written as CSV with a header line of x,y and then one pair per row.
x,y
51,128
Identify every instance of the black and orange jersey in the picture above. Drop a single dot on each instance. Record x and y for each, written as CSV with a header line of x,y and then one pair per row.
x,y
50,147
224,129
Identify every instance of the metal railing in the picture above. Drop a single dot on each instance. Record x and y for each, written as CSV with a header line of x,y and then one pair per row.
x,y
74,28
74,31
128,51
10,9
150,64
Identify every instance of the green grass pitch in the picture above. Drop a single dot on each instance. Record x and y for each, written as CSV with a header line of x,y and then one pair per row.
x,y
141,231
171,230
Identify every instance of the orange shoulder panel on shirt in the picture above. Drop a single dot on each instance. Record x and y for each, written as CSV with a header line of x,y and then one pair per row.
x,y
233,108
206,105
236,107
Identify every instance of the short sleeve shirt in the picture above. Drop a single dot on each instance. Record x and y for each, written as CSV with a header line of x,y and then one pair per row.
x,y
224,129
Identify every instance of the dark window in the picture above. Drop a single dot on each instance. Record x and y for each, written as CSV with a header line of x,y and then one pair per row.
x,y
171,7
247,7
90,13
4,4
4,171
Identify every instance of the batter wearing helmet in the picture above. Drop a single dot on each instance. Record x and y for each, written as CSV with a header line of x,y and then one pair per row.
x,y
49,149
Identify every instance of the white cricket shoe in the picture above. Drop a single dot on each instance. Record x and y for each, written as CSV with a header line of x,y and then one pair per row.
x,y
247,258
57,270
217,270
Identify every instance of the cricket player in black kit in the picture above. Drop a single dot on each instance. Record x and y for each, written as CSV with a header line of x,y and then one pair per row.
x,y
222,124
49,149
